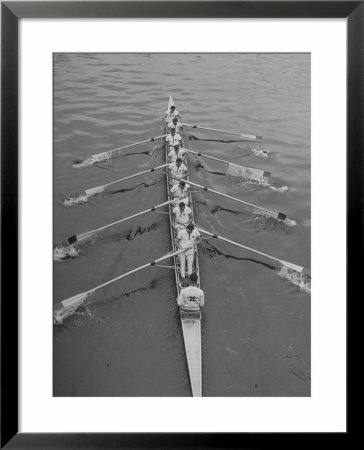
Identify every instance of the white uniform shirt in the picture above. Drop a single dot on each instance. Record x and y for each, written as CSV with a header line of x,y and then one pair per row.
x,y
177,192
187,240
173,155
191,297
173,140
178,172
172,125
182,218
169,116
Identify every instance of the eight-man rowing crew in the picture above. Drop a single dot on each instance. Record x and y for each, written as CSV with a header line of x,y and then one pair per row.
x,y
187,237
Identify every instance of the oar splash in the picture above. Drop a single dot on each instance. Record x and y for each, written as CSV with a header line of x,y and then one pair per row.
x,y
100,157
70,305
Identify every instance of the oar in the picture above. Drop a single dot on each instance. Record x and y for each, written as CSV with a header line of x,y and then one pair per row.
x,y
278,216
78,237
78,299
113,153
246,136
237,169
100,189
284,263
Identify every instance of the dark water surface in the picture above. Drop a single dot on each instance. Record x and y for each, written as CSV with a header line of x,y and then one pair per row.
x,y
127,341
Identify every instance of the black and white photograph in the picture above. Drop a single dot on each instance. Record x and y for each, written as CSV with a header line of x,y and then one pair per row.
x,y
181,224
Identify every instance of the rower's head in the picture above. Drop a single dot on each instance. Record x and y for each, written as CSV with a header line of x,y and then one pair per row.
x,y
173,131
173,108
182,184
193,278
190,228
176,148
178,161
175,120
181,206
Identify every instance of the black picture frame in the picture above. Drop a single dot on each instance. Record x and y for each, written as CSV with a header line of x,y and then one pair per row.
x,y
11,13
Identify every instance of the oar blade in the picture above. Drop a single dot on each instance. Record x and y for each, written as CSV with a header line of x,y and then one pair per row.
x,y
100,156
94,191
247,173
75,301
291,266
251,137
72,239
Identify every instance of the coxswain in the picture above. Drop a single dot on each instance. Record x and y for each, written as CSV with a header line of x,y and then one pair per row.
x,y
173,138
182,214
177,169
175,124
187,239
180,191
176,152
191,298
170,114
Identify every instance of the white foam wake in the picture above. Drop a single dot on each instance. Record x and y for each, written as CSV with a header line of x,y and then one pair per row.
x,y
92,160
303,281
62,313
72,201
290,222
281,189
64,252
261,152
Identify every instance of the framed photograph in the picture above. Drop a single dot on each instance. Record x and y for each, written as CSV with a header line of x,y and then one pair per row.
x,y
174,175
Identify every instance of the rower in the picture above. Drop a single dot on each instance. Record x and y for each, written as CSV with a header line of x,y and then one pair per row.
x,y
182,214
180,191
174,124
191,298
178,170
187,239
170,114
176,152
173,138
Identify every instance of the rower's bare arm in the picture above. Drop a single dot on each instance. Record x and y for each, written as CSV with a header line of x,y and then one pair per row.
x,y
180,300
202,299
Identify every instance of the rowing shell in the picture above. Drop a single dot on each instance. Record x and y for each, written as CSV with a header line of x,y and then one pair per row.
x,y
190,320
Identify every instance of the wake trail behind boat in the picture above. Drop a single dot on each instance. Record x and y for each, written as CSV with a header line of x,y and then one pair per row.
x,y
61,253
